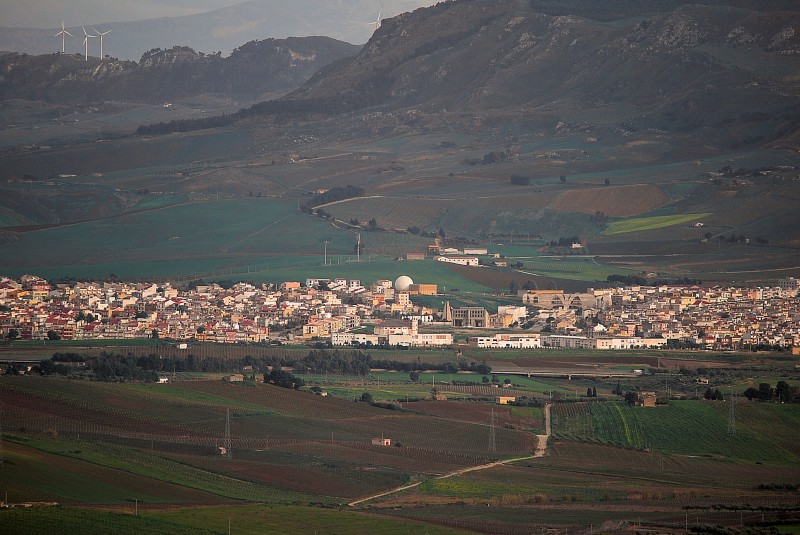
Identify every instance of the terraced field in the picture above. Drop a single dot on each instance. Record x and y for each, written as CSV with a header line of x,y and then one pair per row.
x,y
614,201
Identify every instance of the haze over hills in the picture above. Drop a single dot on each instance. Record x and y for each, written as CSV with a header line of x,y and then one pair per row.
x,y
219,30
653,137
255,69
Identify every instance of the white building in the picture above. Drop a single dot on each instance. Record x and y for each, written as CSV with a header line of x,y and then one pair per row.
x,y
499,341
421,339
460,260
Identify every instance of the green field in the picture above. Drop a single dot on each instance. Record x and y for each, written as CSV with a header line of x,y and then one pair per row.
x,y
209,520
638,224
303,456
584,269
686,427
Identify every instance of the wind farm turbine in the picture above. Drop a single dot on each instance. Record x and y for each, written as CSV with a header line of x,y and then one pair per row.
x,y
377,22
100,35
86,38
63,33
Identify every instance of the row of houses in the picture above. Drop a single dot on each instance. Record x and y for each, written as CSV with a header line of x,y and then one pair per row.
x,y
558,341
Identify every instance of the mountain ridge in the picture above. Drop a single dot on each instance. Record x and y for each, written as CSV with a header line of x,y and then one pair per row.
x,y
255,69
223,29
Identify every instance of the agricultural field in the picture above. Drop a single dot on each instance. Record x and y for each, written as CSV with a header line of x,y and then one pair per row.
x,y
651,223
613,201
606,462
209,520
697,428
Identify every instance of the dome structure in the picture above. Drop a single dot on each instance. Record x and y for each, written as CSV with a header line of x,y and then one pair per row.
x,y
402,283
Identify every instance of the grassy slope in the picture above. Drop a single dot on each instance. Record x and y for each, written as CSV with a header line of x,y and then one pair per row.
x,y
207,520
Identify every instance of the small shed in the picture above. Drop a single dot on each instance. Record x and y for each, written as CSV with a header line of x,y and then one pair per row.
x,y
235,378
381,441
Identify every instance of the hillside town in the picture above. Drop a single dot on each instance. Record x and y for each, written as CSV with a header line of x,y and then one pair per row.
x,y
343,312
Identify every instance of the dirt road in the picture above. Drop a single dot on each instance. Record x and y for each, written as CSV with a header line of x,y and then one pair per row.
x,y
541,449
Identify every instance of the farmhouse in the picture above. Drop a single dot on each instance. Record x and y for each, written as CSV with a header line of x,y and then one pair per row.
x,y
647,399
460,260
381,441
505,400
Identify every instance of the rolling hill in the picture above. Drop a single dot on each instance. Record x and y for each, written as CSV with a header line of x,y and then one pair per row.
x,y
492,120
255,69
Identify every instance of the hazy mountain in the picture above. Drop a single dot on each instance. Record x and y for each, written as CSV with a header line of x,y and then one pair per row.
x,y
257,68
220,30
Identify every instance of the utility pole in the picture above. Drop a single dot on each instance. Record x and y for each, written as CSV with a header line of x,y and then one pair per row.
x,y
228,452
492,437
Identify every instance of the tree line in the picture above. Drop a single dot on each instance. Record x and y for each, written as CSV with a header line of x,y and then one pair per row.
x,y
119,367
639,280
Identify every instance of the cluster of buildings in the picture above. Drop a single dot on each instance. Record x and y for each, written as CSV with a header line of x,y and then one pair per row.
x,y
347,313
32,308
643,316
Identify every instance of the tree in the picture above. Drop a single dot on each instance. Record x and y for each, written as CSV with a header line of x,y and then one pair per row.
x,y
373,224
154,333
563,178
530,285
52,335
13,334
606,182
414,376
783,392
631,398
442,234
589,392
283,379
765,392
366,397
513,288
594,392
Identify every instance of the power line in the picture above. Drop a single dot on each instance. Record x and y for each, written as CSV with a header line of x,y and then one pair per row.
x,y
228,451
492,437
731,415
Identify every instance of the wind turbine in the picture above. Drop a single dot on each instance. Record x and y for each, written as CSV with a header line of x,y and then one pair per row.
x,y
63,33
86,37
100,35
377,22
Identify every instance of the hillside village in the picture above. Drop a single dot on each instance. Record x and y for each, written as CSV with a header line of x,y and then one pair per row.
x,y
343,312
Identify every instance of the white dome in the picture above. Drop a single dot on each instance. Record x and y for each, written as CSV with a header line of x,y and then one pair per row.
x,y
402,283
